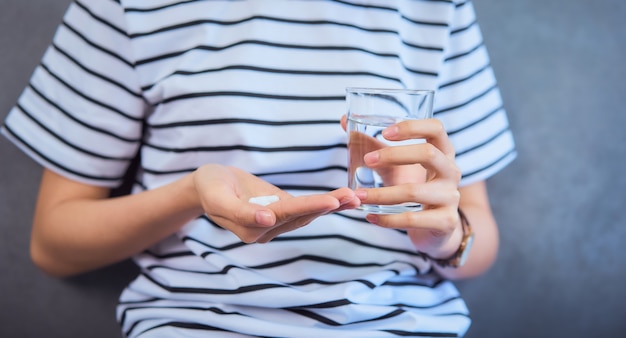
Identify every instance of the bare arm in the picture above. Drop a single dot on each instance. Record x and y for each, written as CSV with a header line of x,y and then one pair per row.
x,y
78,228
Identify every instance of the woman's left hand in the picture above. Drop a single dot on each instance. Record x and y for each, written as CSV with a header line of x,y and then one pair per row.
x,y
436,230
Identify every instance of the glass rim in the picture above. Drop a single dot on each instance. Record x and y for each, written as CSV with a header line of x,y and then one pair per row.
x,y
375,90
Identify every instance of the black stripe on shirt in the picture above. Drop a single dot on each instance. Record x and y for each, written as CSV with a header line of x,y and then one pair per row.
x,y
63,140
96,46
419,22
475,122
466,53
180,326
88,98
222,271
303,171
82,123
100,19
511,152
94,73
431,306
468,101
421,334
485,142
254,95
262,43
59,165
188,24
265,174
279,71
246,148
477,72
165,256
287,238
283,45
461,29
139,301
157,307
324,260
240,120
327,321
154,9
214,291
283,20
226,269
324,305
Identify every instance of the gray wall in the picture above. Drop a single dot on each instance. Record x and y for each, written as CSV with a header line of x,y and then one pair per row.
x,y
560,205
561,272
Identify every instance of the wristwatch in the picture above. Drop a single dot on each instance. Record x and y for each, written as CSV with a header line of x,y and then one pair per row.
x,y
460,256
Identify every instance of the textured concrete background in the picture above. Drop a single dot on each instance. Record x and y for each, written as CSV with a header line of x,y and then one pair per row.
x,y
561,205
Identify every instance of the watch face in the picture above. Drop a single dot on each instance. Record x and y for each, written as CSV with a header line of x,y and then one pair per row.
x,y
466,249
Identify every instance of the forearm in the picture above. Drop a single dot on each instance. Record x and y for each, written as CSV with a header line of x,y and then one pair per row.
x,y
76,235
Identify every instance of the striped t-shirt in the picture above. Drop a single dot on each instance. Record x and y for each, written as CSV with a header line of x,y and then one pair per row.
x,y
260,85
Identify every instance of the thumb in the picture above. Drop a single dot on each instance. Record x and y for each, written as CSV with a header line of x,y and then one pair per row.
x,y
264,217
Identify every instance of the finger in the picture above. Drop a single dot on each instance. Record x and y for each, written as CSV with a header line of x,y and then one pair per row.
x,y
291,208
434,193
303,210
344,122
234,212
430,129
348,206
294,224
439,221
248,233
343,195
347,199
425,154
300,211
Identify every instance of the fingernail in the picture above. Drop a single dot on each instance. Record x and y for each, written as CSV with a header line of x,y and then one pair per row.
x,y
264,217
390,132
345,200
371,157
361,194
372,218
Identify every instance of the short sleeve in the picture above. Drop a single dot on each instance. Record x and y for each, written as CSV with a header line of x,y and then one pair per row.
x,y
81,114
469,104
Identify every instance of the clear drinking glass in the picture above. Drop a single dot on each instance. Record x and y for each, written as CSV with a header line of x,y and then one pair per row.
x,y
370,110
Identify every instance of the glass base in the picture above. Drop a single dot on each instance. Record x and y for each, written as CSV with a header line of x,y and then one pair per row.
x,y
390,209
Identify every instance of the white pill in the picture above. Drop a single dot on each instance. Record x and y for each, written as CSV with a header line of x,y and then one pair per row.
x,y
264,200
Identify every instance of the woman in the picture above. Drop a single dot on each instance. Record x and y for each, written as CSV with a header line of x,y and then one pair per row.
x,y
225,101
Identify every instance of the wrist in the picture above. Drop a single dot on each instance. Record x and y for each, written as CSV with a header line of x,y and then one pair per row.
x,y
459,256
188,194
448,248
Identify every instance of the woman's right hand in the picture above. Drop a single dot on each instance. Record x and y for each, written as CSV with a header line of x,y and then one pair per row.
x,y
77,227
224,194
